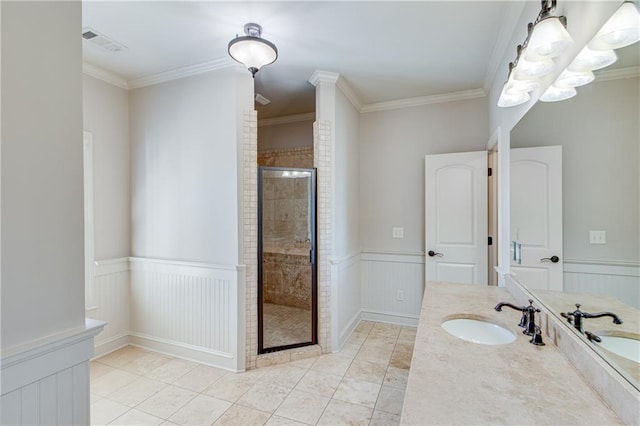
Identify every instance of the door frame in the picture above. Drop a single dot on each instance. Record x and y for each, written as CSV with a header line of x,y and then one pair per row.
x,y
313,259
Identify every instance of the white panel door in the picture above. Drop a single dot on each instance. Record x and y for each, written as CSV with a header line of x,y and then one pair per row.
x,y
536,216
456,217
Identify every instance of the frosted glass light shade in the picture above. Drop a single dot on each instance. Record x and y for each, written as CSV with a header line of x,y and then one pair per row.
x,y
574,79
591,60
253,52
514,87
549,39
622,29
507,100
526,70
555,93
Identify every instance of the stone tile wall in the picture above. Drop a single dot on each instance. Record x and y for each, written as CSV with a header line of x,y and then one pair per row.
x,y
300,157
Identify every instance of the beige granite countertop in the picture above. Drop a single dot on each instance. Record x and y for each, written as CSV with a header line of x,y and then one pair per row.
x,y
452,381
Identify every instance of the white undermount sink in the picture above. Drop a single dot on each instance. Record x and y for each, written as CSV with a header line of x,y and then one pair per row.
x,y
478,331
626,347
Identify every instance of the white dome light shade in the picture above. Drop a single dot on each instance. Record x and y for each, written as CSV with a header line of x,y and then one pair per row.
x,y
507,100
526,70
574,79
514,87
555,93
591,60
548,40
622,29
251,50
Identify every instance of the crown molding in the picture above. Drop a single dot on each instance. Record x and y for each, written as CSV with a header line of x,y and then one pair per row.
x,y
182,72
617,74
348,92
425,100
324,77
104,75
287,119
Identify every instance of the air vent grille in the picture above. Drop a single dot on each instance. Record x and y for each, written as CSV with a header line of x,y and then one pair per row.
x,y
101,41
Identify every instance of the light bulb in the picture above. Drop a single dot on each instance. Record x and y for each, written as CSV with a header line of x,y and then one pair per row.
x,y
514,87
526,70
574,78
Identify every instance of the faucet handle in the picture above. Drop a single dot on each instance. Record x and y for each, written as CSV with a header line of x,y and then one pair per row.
x,y
536,339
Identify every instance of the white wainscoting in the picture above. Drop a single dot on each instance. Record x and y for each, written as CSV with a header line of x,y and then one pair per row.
x,y
190,310
111,298
618,279
348,297
47,382
384,274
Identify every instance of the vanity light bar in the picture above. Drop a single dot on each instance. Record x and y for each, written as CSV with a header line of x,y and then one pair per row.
x,y
621,30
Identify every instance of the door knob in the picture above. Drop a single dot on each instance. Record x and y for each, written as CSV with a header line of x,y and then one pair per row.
x,y
432,253
554,259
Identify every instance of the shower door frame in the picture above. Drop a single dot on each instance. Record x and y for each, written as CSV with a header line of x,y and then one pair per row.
x,y
312,259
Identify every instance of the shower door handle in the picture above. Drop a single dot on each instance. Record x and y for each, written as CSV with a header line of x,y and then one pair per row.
x,y
311,257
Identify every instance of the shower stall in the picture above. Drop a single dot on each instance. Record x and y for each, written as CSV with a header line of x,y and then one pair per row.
x,y
287,273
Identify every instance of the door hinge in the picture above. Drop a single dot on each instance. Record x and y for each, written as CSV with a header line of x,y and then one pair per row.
x,y
490,241
490,172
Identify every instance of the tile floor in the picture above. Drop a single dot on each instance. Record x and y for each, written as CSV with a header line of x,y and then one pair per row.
x,y
285,325
363,384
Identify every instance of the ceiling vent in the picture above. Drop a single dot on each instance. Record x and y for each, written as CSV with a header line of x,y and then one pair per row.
x,y
262,100
101,41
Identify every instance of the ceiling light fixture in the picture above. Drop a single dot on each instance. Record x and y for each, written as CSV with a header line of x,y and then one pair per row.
x,y
622,29
252,50
547,38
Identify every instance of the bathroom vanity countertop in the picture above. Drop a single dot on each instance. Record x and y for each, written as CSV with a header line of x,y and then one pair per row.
x,y
452,381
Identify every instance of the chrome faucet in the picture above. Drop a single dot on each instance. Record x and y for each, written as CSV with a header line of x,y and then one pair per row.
x,y
527,321
576,317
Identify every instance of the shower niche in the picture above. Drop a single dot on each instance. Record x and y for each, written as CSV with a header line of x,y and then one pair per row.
x,y
287,283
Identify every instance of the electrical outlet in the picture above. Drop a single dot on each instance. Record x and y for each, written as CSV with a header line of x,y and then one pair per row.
x,y
397,232
399,295
597,237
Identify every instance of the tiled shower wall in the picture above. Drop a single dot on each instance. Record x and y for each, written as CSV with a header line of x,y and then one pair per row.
x,y
300,157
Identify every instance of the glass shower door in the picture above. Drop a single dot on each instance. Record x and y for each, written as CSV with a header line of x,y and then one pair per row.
x,y
287,301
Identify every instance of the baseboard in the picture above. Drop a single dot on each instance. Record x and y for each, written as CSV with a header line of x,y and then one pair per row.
x,y
184,351
112,344
348,330
390,318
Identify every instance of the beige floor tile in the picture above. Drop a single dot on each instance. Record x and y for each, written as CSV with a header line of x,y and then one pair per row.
x,y
357,338
230,387
407,334
121,357
282,421
401,360
136,392
319,383
111,382
264,397
201,410
105,411
145,363
382,341
135,417
378,355
97,370
349,350
284,375
357,392
364,326
238,415
406,347
200,378
344,413
94,398
367,371
380,418
396,377
332,364
381,327
390,400
166,402
304,363
171,371
303,407
254,374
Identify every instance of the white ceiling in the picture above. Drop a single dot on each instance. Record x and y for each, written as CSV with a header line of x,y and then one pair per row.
x,y
385,50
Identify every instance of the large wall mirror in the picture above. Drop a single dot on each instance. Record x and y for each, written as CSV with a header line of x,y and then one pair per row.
x,y
596,134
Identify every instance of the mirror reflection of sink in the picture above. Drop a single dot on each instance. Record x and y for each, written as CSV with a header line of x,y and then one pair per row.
x,y
478,331
624,346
